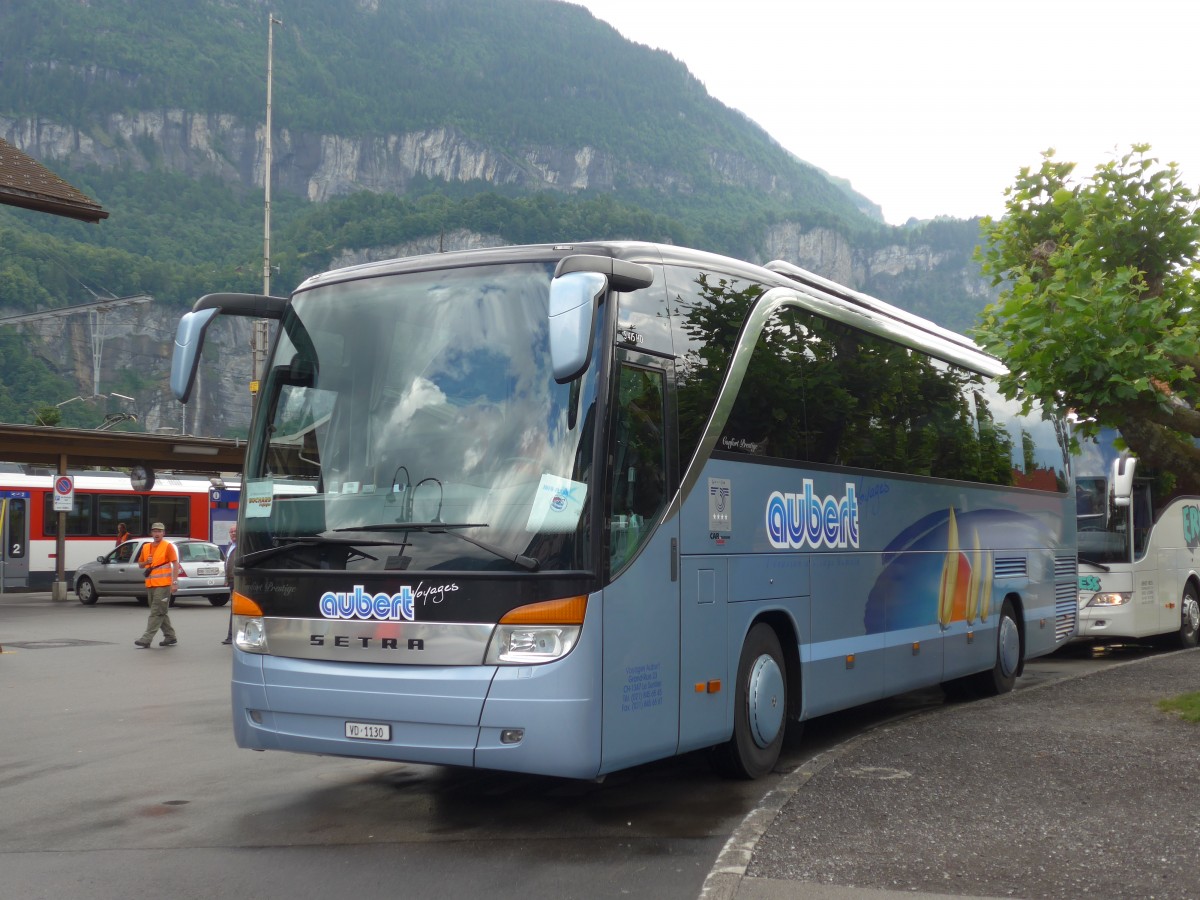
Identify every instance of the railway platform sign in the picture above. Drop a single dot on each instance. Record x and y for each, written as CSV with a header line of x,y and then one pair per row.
x,y
64,493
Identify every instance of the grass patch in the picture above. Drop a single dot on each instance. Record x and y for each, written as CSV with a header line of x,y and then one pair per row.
x,y
1186,706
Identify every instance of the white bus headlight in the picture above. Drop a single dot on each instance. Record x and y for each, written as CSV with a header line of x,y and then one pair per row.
x,y
537,633
250,634
1110,598
524,644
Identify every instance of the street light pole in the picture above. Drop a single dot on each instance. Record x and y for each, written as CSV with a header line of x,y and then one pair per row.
x,y
258,339
271,23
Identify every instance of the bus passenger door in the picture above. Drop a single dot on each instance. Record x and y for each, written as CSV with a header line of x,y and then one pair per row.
x,y
15,528
641,599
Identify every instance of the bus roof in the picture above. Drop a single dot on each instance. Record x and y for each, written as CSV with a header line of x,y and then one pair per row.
x,y
778,273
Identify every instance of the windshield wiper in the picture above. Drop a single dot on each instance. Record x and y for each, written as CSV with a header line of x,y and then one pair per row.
x,y
257,556
1091,562
525,562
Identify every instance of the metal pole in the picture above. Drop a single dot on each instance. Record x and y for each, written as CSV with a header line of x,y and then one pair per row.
x,y
271,23
258,337
58,590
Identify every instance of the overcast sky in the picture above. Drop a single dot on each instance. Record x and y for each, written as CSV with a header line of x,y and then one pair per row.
x,y
931,107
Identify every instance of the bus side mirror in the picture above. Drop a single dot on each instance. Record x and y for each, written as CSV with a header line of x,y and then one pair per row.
x,y
1122,480
579,282
189,338
571,315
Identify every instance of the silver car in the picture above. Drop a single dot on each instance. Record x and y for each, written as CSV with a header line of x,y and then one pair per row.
x,y
117,573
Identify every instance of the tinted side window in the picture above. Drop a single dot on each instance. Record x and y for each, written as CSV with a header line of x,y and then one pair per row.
x,y
639,461
768,418
707,311
643,320
1027,451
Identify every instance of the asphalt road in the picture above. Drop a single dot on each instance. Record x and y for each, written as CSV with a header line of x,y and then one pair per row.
x,y
119,778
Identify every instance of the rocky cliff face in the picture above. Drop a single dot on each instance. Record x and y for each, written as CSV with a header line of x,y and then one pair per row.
x,y
140,339
890,273
321,166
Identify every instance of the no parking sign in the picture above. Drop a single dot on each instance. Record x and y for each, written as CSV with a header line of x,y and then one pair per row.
x,y
64,493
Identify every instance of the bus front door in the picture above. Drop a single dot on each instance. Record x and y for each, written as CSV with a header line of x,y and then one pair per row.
x,y
641,600
14,526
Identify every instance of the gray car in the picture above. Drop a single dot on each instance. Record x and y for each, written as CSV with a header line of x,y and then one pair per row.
x,y
117,573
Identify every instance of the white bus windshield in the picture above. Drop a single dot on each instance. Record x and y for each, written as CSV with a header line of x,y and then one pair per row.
x,y
422,410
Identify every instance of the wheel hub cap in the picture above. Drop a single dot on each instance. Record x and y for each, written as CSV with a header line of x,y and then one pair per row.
x,y
766,693
1010,646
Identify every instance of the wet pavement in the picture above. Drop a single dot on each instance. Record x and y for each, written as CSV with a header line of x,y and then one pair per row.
x,y
1067,789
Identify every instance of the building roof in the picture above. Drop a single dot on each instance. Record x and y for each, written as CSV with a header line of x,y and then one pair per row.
x,y
26,183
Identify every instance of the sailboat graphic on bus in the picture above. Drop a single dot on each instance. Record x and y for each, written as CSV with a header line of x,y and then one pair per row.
x,y
966,586
935,570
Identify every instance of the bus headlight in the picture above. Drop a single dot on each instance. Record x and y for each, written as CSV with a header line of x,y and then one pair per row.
x,y
250,634
523,645
537,633
1111,598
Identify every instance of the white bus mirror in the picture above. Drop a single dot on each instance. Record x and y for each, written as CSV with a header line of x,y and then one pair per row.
x,y
189,338
571,315
1122,480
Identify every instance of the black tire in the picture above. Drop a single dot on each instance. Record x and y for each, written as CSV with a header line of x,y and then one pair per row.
x,y
1189,614
85,590
760,709
218,599
143,600
1010,652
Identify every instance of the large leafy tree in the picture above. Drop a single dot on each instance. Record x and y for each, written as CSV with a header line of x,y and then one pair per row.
x,y
1098,310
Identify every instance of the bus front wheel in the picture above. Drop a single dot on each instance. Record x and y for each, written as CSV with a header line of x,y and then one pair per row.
x,y
1189,627
760,708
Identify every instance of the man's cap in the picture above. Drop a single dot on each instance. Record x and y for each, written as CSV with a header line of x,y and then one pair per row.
x,y
158,526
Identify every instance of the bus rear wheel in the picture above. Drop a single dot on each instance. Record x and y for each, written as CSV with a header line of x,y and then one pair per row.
x,y
1189,626
760,709
1002,677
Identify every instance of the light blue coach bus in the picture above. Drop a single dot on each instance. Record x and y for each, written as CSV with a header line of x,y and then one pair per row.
x,y
578,507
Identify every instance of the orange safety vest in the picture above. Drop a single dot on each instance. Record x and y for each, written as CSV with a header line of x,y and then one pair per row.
x,y
159,561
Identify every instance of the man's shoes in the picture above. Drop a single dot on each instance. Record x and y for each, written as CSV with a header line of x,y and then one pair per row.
x,y
168,642
140,644
227,641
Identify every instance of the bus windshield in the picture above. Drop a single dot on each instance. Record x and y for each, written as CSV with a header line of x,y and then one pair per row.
x,y
1103,528
422,411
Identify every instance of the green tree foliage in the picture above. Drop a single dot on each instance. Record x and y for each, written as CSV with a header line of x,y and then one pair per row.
x,y
1098,309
